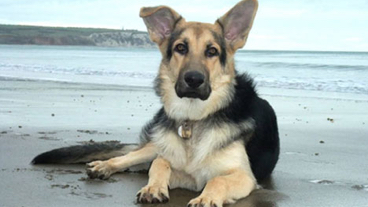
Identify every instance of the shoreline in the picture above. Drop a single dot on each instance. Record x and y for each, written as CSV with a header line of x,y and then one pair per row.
x,y
264,91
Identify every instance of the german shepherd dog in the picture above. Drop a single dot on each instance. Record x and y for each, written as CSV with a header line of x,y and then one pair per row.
x,y
213,133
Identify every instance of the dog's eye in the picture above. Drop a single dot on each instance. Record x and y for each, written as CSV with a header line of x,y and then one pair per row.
x,y
212,51
181,48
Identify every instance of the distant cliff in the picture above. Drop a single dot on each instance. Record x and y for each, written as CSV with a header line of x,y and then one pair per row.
x,y
35,35
122,39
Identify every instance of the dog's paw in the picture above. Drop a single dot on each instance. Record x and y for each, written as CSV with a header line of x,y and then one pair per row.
x,y
153,194
205,201
99,169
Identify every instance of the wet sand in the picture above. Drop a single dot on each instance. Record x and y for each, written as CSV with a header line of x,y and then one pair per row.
x,y
324,141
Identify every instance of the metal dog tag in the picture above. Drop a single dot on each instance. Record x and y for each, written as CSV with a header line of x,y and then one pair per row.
x,y
185,130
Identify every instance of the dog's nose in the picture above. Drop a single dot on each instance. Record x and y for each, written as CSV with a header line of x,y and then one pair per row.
x,y
194,79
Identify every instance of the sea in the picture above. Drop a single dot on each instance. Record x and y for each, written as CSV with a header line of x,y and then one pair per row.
x,y
341,72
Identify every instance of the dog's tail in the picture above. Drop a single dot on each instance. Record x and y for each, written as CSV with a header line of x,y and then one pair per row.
x,y
84,153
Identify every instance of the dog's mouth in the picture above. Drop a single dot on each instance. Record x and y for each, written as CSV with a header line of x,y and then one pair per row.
x,y
193,84
183,91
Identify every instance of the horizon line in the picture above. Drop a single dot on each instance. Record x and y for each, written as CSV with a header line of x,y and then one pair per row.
x,y
124,29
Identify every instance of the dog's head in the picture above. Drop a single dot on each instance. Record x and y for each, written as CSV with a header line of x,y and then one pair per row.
x,y
196,75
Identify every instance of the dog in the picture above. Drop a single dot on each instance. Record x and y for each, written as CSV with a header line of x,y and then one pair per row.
x,y
213,134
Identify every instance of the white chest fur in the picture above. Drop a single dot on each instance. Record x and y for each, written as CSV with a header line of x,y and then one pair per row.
x,y
203,155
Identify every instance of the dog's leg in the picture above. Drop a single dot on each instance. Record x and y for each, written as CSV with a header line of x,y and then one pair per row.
x,y
156,191
103,169
225,189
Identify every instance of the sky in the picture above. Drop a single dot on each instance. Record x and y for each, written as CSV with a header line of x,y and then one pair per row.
x,y
323,25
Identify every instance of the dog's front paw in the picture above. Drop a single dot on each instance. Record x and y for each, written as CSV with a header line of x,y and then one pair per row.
x,y
99,169
153,194
205,201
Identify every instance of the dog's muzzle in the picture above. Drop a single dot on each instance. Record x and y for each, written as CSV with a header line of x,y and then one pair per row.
x,y
193,84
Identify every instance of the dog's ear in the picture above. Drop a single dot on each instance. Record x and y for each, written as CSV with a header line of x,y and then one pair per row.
x,y
237,23
160,22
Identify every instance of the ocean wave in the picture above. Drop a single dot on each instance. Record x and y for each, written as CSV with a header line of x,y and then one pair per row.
x,y
313,85
75,71
308,66
324,83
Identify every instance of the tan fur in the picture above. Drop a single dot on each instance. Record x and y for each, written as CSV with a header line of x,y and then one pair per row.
x,y
225,189
108,167
206,160
157,187
198,36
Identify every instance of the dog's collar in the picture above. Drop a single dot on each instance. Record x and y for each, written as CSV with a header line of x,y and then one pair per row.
x,y
185,129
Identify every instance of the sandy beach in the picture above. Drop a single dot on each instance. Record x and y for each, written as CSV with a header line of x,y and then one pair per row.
x,y
324,139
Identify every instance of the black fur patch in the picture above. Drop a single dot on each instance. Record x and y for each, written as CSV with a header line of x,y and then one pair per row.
x,y
174,36
221,41
239,109
79,153
157,85
263,148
